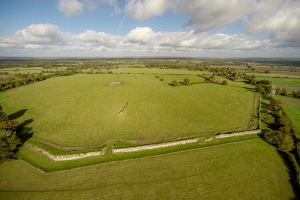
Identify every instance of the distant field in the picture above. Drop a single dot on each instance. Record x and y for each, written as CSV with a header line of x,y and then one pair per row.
x,y
289,84
244,170
292,107
159,71
80,110
32,70
275,74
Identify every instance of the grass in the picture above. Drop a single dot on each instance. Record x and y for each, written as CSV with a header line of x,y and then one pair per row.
x,y
32,70
295,75
292,107
160,71
288,84
43,162
244,170
81,111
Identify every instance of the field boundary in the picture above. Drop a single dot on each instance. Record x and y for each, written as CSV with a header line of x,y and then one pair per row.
x,y
153,146
67,157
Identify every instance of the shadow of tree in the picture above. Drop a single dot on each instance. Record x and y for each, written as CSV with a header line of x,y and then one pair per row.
x,y
249,89
289,165
24,132
17,114
265,105
17,135
292,172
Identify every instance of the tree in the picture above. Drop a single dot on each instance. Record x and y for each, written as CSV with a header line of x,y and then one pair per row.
x,y
174,83
186,81
12,135
259,88
286,143
284,92
224,82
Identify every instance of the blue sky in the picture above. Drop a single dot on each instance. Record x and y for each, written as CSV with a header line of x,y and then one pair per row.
x,y
112,28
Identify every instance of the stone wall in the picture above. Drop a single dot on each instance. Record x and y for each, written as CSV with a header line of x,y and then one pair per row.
x,y
68,157
238,134
153,146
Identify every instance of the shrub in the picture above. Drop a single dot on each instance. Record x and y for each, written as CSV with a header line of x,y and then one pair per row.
x,y
265,111
269,119
224,82
157,76
186,81
284,92
161,79
174,83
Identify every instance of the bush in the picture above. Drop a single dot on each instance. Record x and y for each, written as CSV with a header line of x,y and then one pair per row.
x,y
174,83
269,119
186,81
157,76
284,92
224,82
265,111
161,79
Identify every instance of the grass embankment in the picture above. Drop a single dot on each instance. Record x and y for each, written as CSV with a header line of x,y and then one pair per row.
x,y
288,84
43,162
81,111
292,107
244,170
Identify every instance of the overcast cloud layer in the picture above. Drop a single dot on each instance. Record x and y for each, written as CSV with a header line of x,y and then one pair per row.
x,y
271,26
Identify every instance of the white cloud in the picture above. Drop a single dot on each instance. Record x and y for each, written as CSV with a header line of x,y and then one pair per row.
x,y
92,38
92,5
141,41
141,35
145,9
114,3
35,34
208,15
70,7
281,20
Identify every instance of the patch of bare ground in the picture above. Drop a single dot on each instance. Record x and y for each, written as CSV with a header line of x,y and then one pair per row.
x,y
114,83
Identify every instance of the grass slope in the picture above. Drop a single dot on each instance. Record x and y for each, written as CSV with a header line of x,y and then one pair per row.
x,y
81,111
292,107
288,84
244,170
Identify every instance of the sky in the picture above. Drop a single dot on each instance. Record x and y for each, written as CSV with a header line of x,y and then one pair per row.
x,y
150,28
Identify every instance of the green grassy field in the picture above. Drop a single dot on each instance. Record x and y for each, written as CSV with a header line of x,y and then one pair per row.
x,y
81,111
160,71
244,170
33,70
293,75
292,107
288,84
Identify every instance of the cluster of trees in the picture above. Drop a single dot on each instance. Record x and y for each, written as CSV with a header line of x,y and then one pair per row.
x,y
266,88
12,134
186,81
282,133
212,79
23,79
160,78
